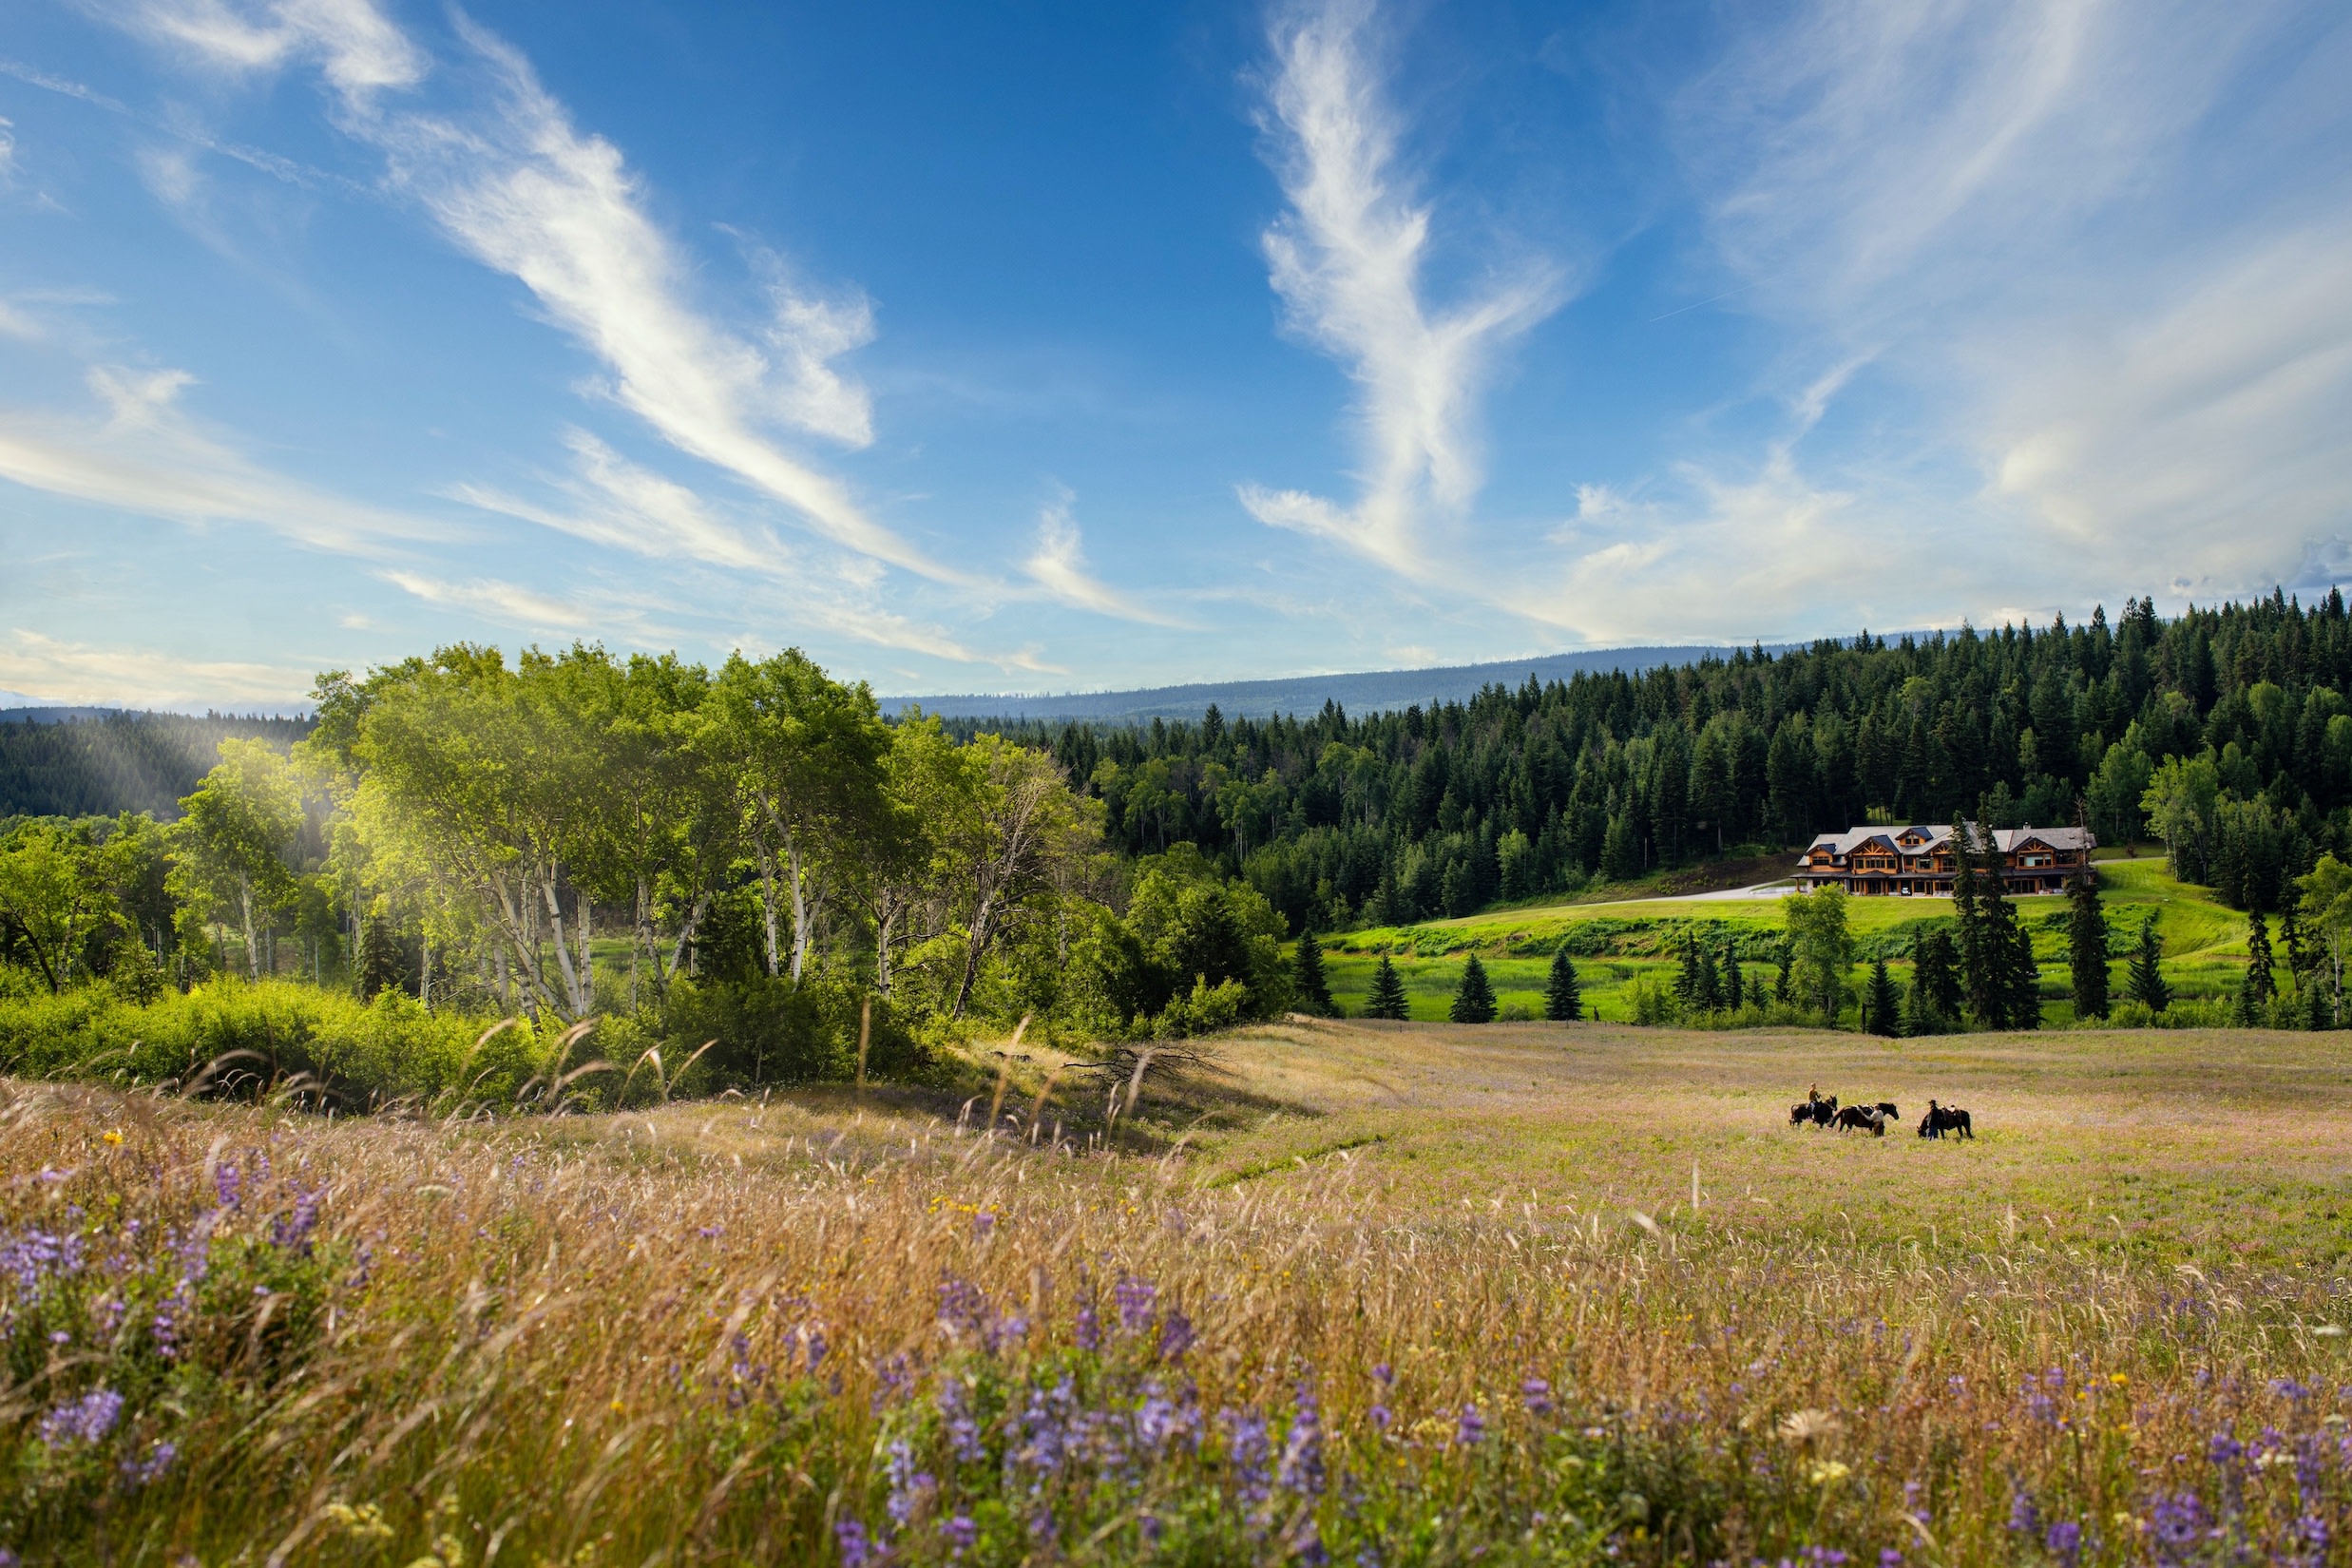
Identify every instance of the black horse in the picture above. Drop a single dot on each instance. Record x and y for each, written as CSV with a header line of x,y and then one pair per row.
x,y
1860,1119
1941,1119
1886,1109
1819,1110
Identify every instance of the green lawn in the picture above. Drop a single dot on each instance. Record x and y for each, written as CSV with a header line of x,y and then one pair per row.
x,y
1615,942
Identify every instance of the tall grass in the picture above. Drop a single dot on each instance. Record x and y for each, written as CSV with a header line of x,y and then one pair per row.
x,y
852,1331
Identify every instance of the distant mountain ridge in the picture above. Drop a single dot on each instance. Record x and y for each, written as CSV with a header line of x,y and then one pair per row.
x,y
1373,690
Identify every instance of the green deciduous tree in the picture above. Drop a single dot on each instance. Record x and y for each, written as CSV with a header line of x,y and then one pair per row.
x,y
1821,949
233,837
53,896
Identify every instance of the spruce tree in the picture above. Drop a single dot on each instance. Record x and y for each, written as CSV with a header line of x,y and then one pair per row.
x,y
1563,993
1689,984
1308,979
382,965
1976,968
2260,973
2317,1014
2086,932
1785,984
1735,985
1387,998
1881,1011
2021,978
1935,979
2146,980
1474,999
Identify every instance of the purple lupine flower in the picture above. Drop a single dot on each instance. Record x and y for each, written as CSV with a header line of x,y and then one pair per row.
x,y
856,1550
2287,1388
893,1379
909,1485
1384,1374
228,1185
143,1472
1175,1335
2064,1542
1135,1297
1156,1417
813,1346
1538,1393
1246,1450
2224,1449
1471,1427
290,1231
1302,1448
2176,1524
2025,1515
1151,1526
1306,1544
1004,1329
37,1254
1380,1417
984,1222
962,1306
963,1431
1889,1558
1089,1330
961,1532
85,1419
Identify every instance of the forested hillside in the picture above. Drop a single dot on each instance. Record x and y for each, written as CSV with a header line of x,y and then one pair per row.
x,y
109,763
1400,816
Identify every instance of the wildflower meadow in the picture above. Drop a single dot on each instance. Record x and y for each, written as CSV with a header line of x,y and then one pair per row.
x,y
1330,1292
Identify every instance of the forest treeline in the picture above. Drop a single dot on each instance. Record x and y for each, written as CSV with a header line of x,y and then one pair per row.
x,y
107,763
2226,732
746,855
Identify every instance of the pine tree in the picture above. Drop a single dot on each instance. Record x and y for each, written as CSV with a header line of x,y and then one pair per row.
x,y
382,965
2147,982
1308,979
2261,982
1387,998
1935,979
1563,994
2021,978
2087,941
1881,1011
1976,968
1474,1000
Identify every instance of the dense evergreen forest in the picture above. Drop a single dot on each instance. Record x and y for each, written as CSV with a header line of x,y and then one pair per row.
x,y
2226,732
120,762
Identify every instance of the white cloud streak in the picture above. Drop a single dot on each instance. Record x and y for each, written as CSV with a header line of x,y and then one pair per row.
x,y
2065,222
1346,259
82,672
148,457
519,188
1059,566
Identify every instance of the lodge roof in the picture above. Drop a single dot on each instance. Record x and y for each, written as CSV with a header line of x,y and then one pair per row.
x,y
1939,834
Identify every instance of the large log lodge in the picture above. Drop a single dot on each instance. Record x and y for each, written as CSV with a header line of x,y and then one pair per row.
x,y
1907,861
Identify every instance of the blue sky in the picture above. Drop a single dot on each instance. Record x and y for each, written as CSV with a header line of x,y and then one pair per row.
x,y
1053,347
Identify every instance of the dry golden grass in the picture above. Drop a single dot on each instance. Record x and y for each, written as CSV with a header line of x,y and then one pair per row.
x,y
697,1334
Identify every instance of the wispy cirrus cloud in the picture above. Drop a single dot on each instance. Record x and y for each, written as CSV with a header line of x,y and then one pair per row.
x,y
70,672
2100,244
147,456
1347,258
1059,566
516,185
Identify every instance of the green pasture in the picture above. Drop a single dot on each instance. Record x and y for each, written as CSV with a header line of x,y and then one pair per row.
x,y
1615,944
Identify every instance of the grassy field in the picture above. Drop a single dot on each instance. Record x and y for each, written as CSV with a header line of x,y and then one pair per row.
x,y
1616,942
1375,1293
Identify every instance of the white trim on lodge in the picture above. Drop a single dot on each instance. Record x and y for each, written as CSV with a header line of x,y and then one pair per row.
x,y
1907,861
